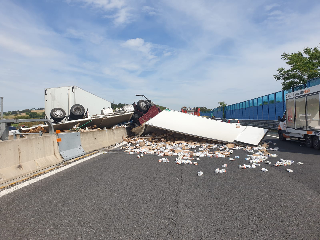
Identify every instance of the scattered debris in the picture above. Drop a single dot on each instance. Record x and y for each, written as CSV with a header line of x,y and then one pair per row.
x,y
200,173
35,129
274,149
190,150
283,163
289,170
164,160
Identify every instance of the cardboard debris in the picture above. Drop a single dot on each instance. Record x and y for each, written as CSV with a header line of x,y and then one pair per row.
x,y
230,145
190,152
34,130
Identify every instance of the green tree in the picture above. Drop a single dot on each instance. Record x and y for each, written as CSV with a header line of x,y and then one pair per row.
x,y
119,105
303,67
204,109
223,106
33,115
161,107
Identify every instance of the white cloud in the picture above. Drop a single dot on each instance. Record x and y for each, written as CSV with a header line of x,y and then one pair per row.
x,y
92,37
149,10
271,6
138,44
106,4
276,12
118,10
20,47
193,53
123,16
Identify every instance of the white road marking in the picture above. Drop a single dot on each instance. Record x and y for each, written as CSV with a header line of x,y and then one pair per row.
x,y
28,182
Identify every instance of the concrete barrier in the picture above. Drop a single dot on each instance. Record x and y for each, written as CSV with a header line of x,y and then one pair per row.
x,y
22,157
95,140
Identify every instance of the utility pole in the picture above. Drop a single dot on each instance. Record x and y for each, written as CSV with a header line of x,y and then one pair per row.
x,y
1,107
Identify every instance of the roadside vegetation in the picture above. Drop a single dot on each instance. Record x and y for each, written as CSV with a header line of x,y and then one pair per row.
x,y
303,66
25,114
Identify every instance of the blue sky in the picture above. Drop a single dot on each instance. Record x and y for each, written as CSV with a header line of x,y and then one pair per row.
x,y
176,52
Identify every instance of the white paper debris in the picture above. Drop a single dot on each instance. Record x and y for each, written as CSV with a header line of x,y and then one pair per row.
x,y
200,173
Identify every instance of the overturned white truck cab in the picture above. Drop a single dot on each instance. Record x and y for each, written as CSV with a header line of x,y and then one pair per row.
x,y
302,117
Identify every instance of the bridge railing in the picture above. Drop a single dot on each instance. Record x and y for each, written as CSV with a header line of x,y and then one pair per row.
x,y
267,107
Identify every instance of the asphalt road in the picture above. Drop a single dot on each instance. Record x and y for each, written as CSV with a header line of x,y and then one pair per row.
x,y
118,196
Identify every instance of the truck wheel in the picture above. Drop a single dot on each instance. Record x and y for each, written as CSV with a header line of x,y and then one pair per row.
x,y
316,142
57,114
77,111
281,137
309,141
143,106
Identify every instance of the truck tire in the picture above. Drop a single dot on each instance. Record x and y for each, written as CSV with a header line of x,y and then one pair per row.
x,y
143,106
316,142
309,142
77,111
57,114
281,137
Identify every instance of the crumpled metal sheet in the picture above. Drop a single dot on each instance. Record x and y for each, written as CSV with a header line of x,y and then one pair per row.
x,y
206,128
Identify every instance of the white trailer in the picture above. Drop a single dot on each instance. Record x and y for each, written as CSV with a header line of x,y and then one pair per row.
x,y
302,119
72,102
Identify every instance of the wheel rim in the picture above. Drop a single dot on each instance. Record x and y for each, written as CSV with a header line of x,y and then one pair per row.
x,y
58,113
77,110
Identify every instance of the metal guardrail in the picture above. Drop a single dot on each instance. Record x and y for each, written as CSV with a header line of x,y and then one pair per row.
x,y
15,134
6,123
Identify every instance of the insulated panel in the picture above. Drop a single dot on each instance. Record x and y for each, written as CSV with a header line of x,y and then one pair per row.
x,y
251,135
203,127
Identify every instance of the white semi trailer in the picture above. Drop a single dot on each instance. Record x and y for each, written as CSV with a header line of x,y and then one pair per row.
x,y
72,102
302,119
